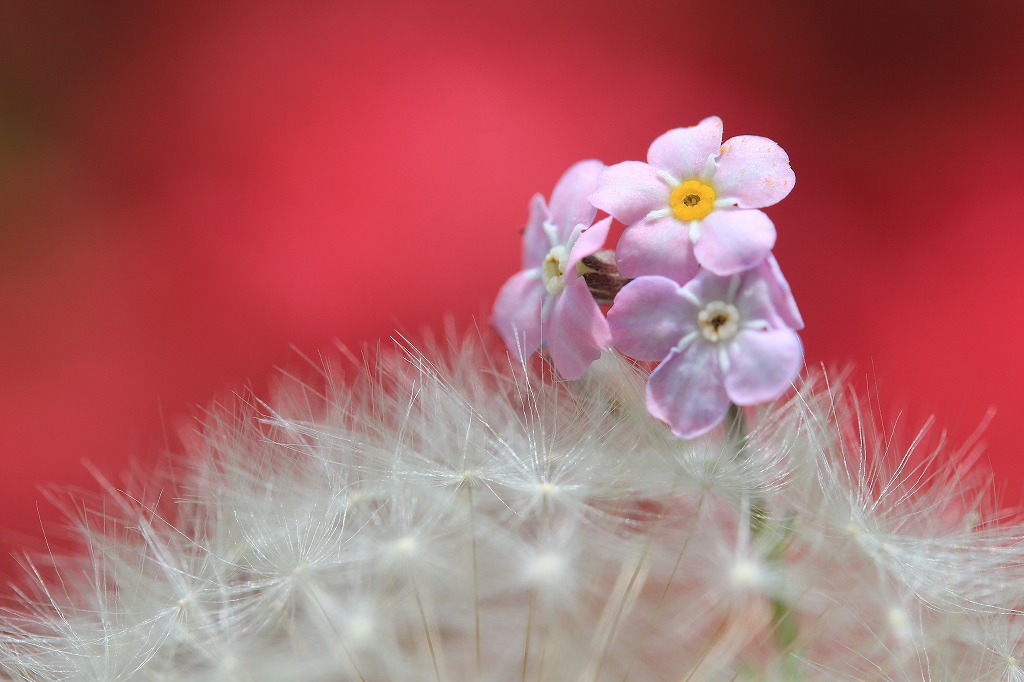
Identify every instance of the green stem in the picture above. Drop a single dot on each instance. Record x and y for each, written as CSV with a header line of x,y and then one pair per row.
x,y
736,429
785,626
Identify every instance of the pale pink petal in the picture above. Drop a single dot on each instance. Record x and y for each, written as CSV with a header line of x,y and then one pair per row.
x,y
754,300
536,243
650,317
517,312
630,190
782,296
570,200
762,365
576,332
706,286
754,171
684,152
657,247
585,242
686,391
734,239
765,295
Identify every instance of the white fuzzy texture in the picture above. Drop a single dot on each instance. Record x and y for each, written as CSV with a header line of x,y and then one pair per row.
x,y
448,515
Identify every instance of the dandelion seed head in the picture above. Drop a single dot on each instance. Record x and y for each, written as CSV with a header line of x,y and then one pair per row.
x,y
547,567
547,489
746,574
899,622
458,511
405,546
359,628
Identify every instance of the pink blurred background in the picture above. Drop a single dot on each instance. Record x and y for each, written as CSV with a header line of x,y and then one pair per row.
x,y
187,189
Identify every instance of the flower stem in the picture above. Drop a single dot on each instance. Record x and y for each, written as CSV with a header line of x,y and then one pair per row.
x,y
476,587
785,627
736,430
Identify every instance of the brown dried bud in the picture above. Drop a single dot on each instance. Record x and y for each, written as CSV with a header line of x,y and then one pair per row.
x,y
602,277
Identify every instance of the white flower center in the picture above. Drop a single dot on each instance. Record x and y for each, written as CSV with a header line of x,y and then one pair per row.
x,y
554,270
719,321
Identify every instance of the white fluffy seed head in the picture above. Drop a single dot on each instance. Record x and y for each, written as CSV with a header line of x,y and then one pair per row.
x,y
450,514
547,568
746,574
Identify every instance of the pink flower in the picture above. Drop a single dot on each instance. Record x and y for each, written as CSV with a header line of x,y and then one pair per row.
x,y
548,302
695,202
722,339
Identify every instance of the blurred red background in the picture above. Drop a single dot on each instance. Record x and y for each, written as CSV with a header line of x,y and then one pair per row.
x,y
187,189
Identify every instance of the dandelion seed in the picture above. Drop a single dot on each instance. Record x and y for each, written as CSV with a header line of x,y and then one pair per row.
x,y
578,563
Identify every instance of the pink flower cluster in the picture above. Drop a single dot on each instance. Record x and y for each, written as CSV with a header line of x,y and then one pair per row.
x,y
706,298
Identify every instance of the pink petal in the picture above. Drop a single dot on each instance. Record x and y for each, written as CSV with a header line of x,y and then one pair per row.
x,y
762,365
536,243
733,240
587,241
686,391
657,247
779,294
684,152
570,200
754,300
754,171
629,191
649,317
706,286
577,332
517,312
782,295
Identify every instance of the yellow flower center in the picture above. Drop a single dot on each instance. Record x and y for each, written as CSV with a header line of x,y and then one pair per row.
x,y
692,200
